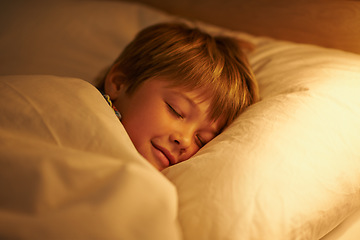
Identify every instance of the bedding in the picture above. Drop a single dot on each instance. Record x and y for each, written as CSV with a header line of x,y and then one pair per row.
x,y
68,169
348,229
288,168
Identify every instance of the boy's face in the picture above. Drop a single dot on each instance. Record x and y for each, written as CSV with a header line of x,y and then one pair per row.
x,y
167,125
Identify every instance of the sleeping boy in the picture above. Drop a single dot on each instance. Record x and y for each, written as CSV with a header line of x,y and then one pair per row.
x,y
175,88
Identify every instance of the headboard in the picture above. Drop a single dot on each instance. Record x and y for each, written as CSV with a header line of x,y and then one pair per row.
x,y
328,23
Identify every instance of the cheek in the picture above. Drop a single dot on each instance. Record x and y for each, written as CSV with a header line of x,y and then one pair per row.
x,y
190,152
137,126
142,123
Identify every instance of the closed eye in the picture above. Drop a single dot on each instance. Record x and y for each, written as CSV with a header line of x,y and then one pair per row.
x,y
173,111
200,141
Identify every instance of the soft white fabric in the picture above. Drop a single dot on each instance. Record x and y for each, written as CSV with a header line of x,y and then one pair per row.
x,y
288,168
68,170
347,230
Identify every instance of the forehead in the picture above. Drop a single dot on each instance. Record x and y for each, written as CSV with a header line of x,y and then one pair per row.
x,y
200,96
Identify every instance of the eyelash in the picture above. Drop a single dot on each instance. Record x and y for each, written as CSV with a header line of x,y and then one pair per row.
x,y
201,143
174,111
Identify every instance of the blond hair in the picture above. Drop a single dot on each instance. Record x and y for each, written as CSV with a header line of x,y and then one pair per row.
x,y
195,60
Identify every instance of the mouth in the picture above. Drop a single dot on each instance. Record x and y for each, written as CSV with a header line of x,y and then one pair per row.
x,y
164,155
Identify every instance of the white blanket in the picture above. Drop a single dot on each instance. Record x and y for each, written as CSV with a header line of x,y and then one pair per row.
x,y
69,171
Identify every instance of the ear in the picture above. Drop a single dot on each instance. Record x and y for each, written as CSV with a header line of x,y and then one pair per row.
x,y
114,83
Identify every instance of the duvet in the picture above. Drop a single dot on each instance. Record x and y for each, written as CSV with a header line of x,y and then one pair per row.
x,y
69,171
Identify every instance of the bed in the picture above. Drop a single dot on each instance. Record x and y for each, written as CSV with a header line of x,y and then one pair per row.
x,y
287,168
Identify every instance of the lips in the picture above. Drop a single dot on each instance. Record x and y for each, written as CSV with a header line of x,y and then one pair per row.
x,y
164,152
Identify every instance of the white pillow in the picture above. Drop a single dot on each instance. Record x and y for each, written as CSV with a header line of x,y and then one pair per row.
x,y
288,168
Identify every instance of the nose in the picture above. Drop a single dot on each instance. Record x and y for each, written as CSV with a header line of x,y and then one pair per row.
x,y
181,139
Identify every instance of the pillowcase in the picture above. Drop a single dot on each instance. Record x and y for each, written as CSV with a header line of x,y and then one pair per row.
x,y
68,170
288,168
